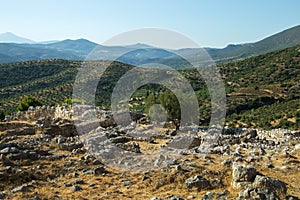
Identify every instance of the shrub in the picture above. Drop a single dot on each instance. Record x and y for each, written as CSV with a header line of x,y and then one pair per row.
x,y
71,101
26,102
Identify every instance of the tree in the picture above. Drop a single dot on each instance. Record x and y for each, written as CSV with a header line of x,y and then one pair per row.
x,y
28,101
169,101
149,101
2,115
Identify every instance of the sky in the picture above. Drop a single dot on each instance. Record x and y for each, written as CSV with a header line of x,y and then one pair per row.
x,y
210,23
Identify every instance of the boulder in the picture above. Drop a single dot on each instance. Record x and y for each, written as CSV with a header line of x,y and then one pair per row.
x,y
126,182
21,188
249,135
242,173
67,130
276,186
131,146
35,198
76,188
184,142
257,193
99,170
70,146
228,161
2,195
196,141
120,139
199,182
215,195
9,150
78,182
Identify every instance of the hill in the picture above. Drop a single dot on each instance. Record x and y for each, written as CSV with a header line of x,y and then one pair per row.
x,y
80,46
262,91
10,52
67,49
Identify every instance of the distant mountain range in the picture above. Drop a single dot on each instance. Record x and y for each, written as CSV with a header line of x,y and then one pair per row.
x,y
14,49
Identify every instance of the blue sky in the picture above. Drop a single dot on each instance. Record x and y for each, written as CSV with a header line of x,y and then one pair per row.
x,y
211,23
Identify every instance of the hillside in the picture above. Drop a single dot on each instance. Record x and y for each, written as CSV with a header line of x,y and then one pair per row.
x,y
262,91
51,82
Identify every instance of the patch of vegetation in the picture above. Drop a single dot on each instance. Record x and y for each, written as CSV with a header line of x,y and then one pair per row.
x,y
71,101
28,101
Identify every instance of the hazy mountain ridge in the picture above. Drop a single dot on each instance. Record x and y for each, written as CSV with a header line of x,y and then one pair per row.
x,y
284,39
80,49
23,52
12,38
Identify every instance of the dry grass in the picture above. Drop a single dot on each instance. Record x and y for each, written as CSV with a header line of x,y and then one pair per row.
x,y
160,183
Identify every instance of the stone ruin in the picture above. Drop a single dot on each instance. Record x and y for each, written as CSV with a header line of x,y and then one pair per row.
x,y
93,131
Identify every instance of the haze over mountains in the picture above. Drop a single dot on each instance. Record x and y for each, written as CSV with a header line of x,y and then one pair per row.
x,y
14,49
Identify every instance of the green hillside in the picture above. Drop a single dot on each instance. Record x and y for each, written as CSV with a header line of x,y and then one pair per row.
x,y
50,81
262,91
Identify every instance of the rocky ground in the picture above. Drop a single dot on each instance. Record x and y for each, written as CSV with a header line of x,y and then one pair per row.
x,y
44,156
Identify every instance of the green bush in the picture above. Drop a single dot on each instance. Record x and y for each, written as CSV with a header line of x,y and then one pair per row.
x,y
28,101
71,101
68,101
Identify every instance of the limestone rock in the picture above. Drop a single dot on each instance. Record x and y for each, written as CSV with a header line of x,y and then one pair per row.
x,y
198,182
256,194
21,188
242,173
131,146
9,150
70,146
76,188
276,186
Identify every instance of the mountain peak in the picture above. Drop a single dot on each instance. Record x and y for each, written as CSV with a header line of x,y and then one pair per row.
x,y
8,34
9,37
